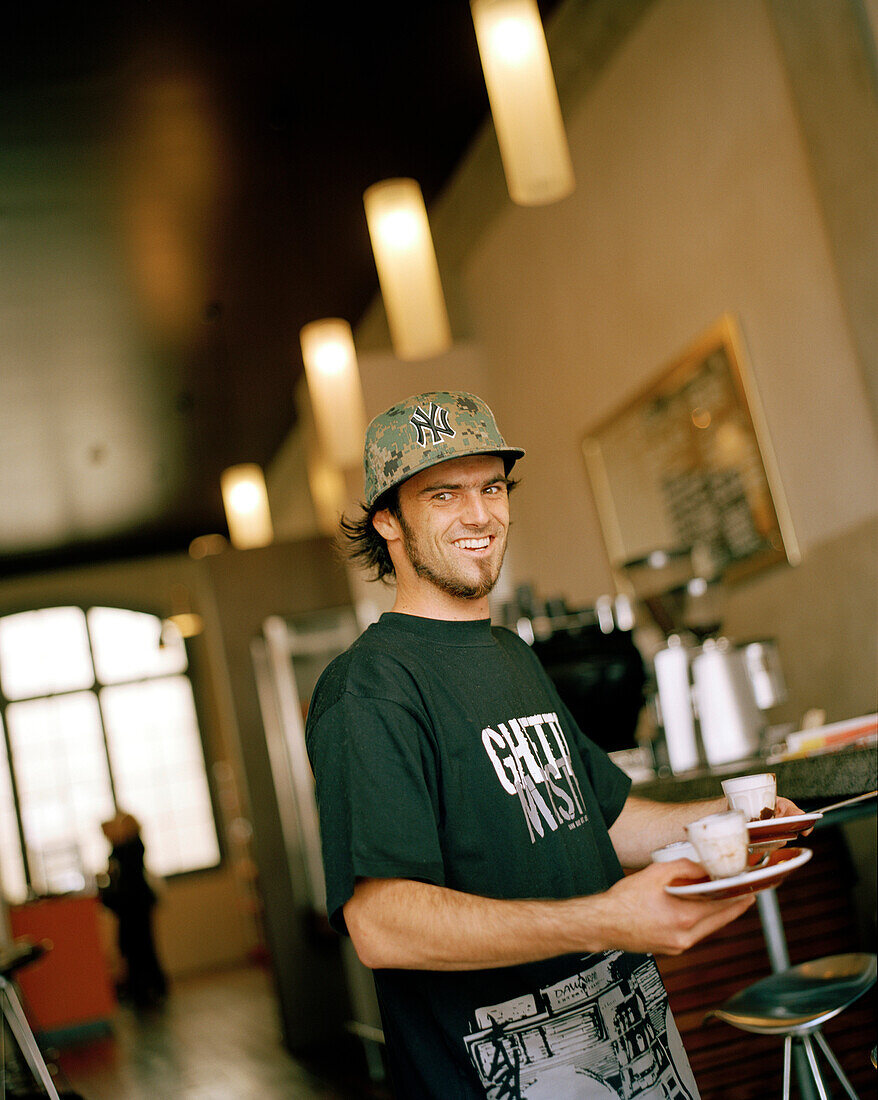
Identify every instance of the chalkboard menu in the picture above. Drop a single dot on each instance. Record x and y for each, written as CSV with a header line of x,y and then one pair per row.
x,y
687,465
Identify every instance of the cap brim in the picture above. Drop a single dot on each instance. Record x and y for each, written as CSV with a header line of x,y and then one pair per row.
x,y
513,453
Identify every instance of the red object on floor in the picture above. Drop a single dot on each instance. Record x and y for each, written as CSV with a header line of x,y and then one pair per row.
x,y
69,986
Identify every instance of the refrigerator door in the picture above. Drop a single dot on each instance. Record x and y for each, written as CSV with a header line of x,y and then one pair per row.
x,y
289,657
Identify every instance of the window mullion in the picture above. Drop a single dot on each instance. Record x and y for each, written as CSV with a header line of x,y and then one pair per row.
x,y
96,688
15,797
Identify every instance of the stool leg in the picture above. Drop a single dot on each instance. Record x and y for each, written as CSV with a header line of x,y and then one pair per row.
x,y
808,1088
27,1044
815,1069
833,1061
787,1065
772,929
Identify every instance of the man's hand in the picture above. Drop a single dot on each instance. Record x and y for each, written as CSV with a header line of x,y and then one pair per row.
x,y
645,918
785,808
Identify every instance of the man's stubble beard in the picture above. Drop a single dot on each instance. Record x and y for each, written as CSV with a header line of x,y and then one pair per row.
x,y
452,585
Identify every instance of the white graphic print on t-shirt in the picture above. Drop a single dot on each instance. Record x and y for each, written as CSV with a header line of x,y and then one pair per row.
x,y
603,1033
532,760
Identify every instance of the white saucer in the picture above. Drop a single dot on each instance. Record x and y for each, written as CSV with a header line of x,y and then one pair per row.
x,y
779,865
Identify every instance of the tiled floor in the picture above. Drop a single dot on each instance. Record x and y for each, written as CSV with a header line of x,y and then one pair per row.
x,y
217,1038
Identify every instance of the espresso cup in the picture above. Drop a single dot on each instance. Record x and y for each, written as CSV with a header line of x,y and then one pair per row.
x,y
721,841
754,795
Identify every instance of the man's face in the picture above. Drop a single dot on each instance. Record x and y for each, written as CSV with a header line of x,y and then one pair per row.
x,y
454,519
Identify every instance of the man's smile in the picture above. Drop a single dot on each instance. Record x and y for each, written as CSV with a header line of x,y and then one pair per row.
x,y
474,544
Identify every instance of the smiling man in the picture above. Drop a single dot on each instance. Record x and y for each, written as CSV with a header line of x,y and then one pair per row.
x,y
473,836
451,521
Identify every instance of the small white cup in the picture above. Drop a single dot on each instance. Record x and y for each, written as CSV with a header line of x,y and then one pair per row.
x,y
721,843
752,794
680,849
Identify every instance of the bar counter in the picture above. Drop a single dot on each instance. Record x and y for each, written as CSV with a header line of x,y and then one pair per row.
x,y
825,908
811,781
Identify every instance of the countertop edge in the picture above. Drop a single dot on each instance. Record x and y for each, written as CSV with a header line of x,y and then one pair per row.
x,y
807,780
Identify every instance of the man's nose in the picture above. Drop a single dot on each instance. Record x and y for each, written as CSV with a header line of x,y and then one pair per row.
x,y
475,509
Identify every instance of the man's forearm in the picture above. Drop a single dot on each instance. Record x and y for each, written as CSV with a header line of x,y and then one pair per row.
x,y
401,924
644,825
407,924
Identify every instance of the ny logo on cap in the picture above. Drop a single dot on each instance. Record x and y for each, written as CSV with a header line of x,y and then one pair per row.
x,y
435,422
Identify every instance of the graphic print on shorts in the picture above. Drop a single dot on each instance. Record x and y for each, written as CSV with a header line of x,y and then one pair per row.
x,y
604,1032
531,757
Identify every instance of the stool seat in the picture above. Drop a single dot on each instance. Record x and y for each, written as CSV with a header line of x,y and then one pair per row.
x,y
794,1003
801,998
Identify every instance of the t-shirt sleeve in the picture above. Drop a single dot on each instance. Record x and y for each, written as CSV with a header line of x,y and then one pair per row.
x,y
376,796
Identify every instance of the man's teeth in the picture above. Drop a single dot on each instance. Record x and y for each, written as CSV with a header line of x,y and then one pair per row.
x,y
473,544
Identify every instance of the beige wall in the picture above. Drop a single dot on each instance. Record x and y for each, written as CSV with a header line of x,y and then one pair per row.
x,y
705,184
693,197
831,62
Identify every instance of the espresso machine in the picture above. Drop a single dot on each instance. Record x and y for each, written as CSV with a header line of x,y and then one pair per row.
x,y
711,694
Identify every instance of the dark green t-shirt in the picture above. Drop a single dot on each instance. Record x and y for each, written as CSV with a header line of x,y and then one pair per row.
x,y
442,753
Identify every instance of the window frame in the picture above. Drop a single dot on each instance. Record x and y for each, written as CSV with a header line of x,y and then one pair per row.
x,y
191,673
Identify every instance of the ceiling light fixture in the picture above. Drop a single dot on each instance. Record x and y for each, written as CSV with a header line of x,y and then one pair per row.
x,y
245,499
407,269
182,622
336,393
186,623
205,546
524,100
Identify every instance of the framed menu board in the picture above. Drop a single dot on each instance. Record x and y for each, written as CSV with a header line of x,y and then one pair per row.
x,y
687,466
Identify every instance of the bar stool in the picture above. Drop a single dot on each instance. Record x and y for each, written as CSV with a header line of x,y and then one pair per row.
x,y
12,958
795,1002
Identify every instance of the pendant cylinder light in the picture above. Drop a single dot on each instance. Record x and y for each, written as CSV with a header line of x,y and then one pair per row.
x,y
407,269
334,385
182,618
245,499
524,100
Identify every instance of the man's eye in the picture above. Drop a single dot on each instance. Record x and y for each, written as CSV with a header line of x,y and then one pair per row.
x,y
495,489
442,496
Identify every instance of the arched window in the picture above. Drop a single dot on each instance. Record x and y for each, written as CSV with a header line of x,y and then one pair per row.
x,y
97,713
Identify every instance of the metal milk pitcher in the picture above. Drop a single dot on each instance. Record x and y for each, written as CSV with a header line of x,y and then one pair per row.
x,y
675,704
730,720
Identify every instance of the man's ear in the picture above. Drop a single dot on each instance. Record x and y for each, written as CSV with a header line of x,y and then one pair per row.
x,y
386,524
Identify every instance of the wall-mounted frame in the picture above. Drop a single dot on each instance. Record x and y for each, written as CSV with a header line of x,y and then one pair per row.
x,y
687,464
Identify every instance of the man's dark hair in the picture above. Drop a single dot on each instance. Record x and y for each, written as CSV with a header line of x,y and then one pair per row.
x,y
360,541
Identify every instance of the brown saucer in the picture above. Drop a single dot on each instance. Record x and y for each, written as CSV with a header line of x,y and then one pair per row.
x,y
775,869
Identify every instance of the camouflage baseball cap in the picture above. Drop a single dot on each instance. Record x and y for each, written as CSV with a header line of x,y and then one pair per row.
x,y
426,429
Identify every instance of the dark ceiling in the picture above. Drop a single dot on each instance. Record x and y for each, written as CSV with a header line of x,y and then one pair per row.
x,y
180,191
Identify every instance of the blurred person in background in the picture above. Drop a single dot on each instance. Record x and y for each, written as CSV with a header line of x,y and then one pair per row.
x,y
127,892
